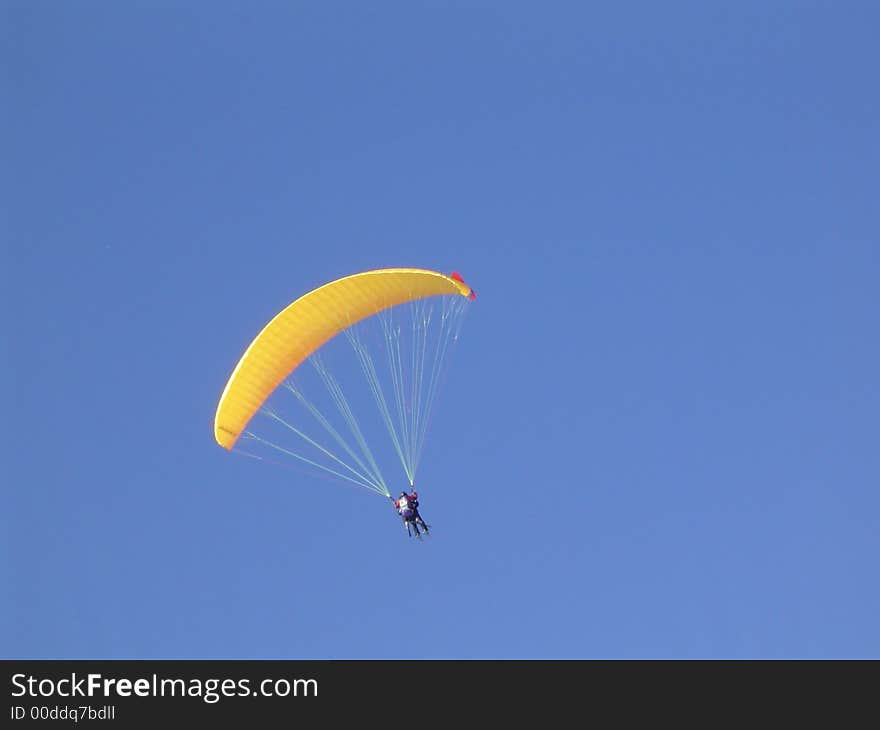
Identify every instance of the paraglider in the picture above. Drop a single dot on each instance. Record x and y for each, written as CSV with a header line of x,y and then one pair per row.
x,y
407,506
415,316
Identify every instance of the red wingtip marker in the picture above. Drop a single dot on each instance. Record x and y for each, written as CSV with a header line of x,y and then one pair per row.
x,y
455,275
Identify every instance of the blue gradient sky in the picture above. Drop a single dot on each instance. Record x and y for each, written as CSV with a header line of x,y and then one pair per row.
x,y
659,436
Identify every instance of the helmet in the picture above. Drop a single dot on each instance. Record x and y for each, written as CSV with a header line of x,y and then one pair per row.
x,y
403,494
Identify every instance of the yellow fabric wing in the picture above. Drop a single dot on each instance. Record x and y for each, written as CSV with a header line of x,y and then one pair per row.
x,y
306,324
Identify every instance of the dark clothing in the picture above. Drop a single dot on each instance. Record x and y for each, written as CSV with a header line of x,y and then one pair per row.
x,y
408,508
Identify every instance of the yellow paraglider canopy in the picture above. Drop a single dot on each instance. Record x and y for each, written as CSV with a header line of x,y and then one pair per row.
x,y
306,324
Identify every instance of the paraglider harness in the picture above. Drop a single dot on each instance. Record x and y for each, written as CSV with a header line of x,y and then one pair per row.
x,y
410,514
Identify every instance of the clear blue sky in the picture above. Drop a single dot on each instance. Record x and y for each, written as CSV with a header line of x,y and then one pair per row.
x,y
659,437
